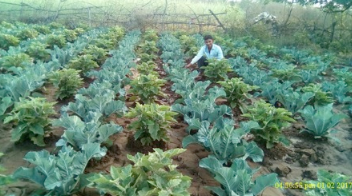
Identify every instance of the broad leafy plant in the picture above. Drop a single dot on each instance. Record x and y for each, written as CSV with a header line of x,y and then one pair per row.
x,y
58,40
7,40
99,54
67,81
320,119
61,174
84,63
293,101
149,47
189,44
79,133
151,35
38,51
237,179
70,35
309,73
320,97
146,68
146,87
328,184
225,142
237,91
18,60
344,74
271,121
42,29
27,33
152,174
152,122
101,89
31,117
271,90
289,73
101,103
339,90
203,108
217,70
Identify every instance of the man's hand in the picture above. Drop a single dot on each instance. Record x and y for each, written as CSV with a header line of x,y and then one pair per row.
x,y
188,65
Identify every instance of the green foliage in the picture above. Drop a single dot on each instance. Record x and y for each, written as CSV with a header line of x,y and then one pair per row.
x,y
78,133
103,103
58,40
328,184
189,45
70,35
273,88
103,43
309,73
16,60
224,141
271,121
237,179
294,100
7,25
84,63
42,29
55,25
79,31
99,54
152,174
237,91
152,122
67,81
150,35
31,117
27,34
61,174
7,40
148,47
320,97
217,70
289,73
345,74
202,107
320,120
38,51
146,68
146,87
339,90
145,57
113,36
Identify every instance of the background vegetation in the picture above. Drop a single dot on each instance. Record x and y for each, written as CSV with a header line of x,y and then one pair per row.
x,y
299,25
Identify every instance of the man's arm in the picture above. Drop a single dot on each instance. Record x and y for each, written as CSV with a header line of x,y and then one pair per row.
x,y
197,57
220,53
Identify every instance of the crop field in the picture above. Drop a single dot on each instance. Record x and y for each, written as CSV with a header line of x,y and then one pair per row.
x,y
110,111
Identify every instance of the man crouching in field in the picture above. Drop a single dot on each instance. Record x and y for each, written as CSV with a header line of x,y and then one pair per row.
x,y
208,51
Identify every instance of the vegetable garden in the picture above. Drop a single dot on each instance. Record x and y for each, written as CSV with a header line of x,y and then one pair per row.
x,y
111,111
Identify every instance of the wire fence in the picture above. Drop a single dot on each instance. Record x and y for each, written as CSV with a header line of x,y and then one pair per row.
x,y
99,16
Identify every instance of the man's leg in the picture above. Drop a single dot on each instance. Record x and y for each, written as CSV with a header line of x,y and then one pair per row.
x,y
201,63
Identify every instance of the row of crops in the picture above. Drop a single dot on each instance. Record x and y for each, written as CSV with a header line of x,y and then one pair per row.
x,y
306,86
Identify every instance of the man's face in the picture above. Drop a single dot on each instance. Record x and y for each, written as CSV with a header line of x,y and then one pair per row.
x,y
209,43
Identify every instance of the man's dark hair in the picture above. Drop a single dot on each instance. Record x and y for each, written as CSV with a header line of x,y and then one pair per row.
x,y
206,37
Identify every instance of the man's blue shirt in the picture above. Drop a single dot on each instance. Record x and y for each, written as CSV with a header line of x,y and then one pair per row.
x,y
215,52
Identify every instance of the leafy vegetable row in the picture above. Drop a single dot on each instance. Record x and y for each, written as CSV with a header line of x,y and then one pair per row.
x,y
85,131
198,107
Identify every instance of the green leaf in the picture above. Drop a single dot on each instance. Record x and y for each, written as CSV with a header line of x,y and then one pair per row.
x,y
261,182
